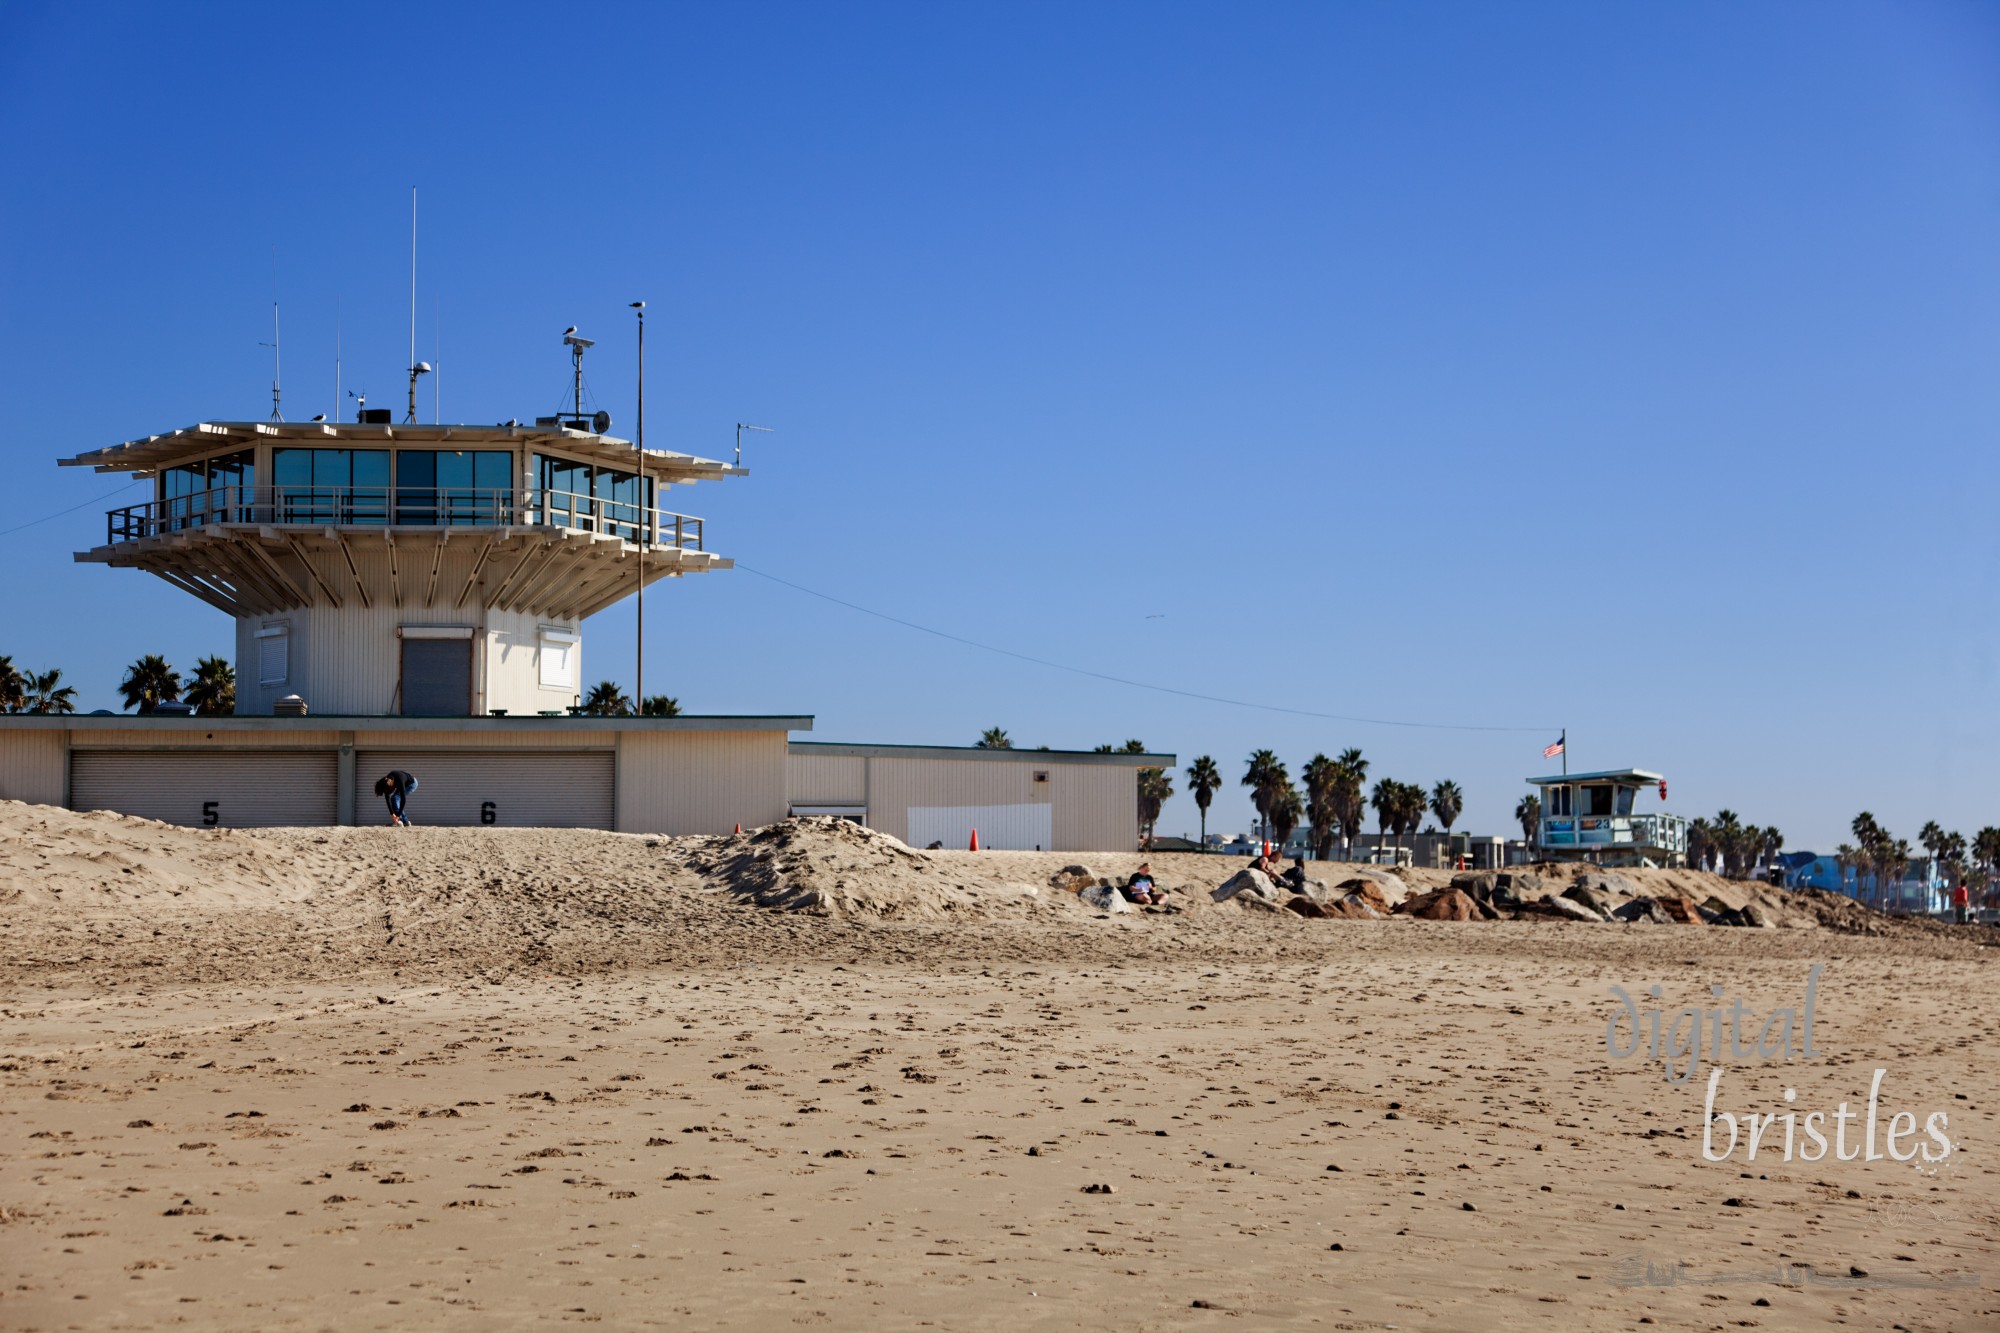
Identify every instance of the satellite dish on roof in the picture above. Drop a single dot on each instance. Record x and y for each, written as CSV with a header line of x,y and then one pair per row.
x,y
601,422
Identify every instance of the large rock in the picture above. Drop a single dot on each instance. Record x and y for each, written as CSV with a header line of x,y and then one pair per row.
x,y
1104,898
1758,916
1442,905
1357,907
1596,899
1370,892
1642,910
1304,906
1250,902
1609,881
1498,888
1249,883
1556,904
1682,910
1072,879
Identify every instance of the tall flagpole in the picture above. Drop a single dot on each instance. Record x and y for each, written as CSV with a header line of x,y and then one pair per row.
x,y
1565,751
645,517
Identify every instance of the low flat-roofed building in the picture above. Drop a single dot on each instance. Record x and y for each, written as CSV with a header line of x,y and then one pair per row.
x,y
1017,800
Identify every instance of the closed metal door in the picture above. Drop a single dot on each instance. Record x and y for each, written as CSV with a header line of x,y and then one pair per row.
x,y
507,788
437,677
234,790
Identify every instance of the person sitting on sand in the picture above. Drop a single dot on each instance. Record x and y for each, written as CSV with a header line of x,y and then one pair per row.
x,y
1266,864
1142,890
1295,878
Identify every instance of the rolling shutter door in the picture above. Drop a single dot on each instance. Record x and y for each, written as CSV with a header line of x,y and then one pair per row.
x,y
224,790
509,788
437,677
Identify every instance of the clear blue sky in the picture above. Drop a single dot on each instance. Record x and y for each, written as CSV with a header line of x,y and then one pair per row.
x,y
1624,368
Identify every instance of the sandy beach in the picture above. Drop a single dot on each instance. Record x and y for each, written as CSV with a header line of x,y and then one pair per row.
x,y
343,1078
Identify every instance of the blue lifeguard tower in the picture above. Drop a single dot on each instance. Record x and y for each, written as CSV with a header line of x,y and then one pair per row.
x,y
1595,817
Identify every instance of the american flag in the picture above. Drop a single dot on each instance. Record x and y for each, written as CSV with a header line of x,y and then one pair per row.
x,y
1556,749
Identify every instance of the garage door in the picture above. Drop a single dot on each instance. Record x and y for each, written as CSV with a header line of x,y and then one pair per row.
x,y
219,790
510,788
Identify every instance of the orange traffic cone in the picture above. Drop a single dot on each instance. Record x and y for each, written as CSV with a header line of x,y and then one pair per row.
x,y
975,841
739,830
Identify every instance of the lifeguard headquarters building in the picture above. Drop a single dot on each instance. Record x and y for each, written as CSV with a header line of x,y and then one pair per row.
x,y
413,596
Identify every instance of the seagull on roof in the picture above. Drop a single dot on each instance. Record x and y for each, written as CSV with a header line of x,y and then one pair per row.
x,y
571,329
320,417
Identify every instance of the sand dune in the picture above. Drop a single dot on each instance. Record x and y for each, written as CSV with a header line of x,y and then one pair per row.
x,y
362,1078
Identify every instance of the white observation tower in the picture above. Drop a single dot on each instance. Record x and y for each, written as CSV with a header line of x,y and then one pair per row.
x,y
377,569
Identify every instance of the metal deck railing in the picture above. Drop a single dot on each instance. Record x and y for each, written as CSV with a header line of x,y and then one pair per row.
x,y
1667,833
402,507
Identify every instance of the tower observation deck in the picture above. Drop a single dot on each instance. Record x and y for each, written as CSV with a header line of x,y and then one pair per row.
x,y
377,569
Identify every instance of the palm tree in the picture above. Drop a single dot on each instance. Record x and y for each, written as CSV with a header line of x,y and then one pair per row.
x,y
213,690
1703,846
1322,777
1899,862
1867,835
1727,831
13,687
47,694
1528,814
1154,789
1845,858
1285,809
1134,747
1386,798
1410,807
1447,802
1203,778
1952,860
1986,850
606,699
150,682
1263,777
993,738
1350,805
660,705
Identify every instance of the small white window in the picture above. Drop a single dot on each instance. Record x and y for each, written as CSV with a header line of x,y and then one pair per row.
x,y
559,660
274,657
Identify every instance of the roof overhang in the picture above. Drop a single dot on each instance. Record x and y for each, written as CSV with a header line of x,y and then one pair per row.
x,y
540,726
209,437
1637,776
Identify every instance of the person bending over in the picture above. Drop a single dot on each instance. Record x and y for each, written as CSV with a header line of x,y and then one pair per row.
x,y
395,788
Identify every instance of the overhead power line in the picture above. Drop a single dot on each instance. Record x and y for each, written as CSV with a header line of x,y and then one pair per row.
x,y
1121,680
18,527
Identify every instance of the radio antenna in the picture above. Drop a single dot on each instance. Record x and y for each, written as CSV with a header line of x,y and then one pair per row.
x,y
277,356
416,367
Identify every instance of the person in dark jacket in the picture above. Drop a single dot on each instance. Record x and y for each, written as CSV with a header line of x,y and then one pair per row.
x,y
395,788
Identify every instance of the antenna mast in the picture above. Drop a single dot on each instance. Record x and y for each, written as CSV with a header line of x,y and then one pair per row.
x,y
645,510
277,356
416,367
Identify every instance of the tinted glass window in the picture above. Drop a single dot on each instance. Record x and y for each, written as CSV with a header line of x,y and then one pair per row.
x,y
371,467
416,468
291,467
454,470
493,470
